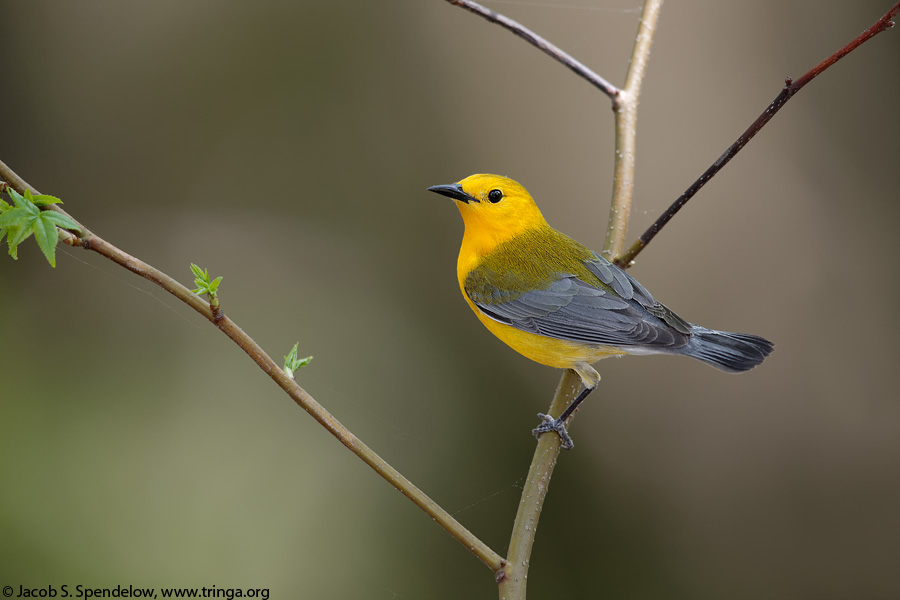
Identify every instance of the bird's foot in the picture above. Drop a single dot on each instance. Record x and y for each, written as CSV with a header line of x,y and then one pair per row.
x,y
558,425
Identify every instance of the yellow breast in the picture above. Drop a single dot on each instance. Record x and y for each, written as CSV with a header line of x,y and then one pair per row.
x,y
561,354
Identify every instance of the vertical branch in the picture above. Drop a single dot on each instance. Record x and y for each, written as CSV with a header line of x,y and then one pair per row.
x,y
512,579
625,106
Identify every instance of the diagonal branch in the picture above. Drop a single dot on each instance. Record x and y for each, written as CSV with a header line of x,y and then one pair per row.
x,y
539,42
90,241
790,88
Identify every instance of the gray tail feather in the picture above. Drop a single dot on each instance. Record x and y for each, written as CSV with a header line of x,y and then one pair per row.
x,y
731,352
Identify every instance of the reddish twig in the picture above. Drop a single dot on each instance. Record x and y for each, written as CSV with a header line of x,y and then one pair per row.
x,y
539,42
791,87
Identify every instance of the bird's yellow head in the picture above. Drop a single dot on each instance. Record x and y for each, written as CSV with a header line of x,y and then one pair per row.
x,y
494,208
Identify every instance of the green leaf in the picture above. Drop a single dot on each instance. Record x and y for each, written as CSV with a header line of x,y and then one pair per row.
x,y
47,246
45,200
14,238
46,236
17,235
61,220
23,202
204,285
26,218
15,217
292,363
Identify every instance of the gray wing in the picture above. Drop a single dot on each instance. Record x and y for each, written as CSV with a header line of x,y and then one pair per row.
x,y
625,315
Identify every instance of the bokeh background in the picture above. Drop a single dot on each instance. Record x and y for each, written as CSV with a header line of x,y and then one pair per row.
x,y
287,146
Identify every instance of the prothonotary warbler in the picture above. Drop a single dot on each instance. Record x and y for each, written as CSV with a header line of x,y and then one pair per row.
x,y
563,305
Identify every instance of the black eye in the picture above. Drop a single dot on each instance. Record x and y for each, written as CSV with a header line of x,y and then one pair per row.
x,y
495,196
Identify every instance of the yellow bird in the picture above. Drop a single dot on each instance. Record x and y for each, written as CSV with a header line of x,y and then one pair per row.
x,y
562,305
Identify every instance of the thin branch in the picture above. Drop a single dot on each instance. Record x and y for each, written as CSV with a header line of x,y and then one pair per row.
x,y
20,185
92,242
625,109
790,88
513,578
542,44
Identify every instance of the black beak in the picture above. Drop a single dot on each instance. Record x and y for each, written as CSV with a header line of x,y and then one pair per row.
x,y
453,190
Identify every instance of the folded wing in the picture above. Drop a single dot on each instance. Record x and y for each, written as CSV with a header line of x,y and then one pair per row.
x,y
613,310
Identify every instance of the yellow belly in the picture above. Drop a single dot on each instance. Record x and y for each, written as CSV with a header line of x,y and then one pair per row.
x,y
561,354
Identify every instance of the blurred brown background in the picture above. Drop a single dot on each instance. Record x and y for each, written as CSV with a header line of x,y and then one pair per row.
x,y
287,146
